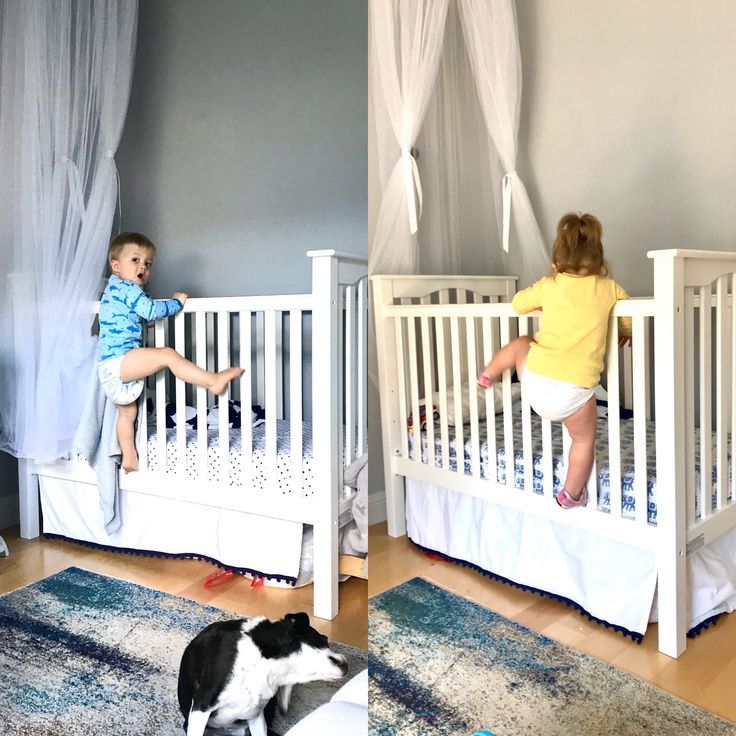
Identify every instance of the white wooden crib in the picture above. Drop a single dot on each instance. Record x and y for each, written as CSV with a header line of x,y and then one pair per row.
x,y
435,332
305,360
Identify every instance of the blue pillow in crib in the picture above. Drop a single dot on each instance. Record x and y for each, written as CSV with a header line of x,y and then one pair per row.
x,y
190,415
213,413
258,415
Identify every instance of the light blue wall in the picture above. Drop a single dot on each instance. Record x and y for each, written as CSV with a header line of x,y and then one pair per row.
x,y
246,138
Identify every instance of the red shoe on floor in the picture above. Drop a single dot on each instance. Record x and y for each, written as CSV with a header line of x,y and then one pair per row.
x,y
566,501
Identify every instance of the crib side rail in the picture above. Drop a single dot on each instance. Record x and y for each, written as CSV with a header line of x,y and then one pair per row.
x,y
476,443
262,335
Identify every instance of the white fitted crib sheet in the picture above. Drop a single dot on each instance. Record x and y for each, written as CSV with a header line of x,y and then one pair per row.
x,y
261,474
628,502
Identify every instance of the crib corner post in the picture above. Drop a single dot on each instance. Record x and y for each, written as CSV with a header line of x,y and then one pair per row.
x,y
385,345
669,295
325,573
28,501
325,429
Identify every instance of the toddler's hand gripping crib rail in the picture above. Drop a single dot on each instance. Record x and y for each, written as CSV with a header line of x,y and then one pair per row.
x,y
305,357
434,333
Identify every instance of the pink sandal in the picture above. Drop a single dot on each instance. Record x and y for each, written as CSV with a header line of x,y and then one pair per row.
x,y
566,501
485,381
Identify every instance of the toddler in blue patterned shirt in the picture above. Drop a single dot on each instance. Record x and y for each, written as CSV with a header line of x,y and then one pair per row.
x,y
122,361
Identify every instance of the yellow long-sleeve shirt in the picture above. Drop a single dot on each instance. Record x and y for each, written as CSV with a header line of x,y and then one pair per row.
x,y
571,344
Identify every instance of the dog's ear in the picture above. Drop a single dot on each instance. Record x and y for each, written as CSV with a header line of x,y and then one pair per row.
x,y
300,621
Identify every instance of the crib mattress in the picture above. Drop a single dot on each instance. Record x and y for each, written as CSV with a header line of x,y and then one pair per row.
x,y
261,476
628,502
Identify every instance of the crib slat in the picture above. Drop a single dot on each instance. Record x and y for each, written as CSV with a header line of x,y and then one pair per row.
x,y
495,331
592,485
723,398
200,322
210,341
647,378
639,368
732,379
547,459
362,366
160,342
271,378
428,389
279,363
526,427
614,425
442,385
246,399
411,337
223,362
628,384
180,390
472,397
401,372
457,394
508,422
347,356
706,458
443,297
295,398
488,349
142,440
260,368
689,318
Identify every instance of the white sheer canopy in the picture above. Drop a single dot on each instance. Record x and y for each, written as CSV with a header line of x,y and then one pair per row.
x,y
491,37
467,141
407,40
66,73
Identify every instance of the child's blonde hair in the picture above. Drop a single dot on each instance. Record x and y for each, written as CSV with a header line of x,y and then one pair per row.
x,y
578,246
120,241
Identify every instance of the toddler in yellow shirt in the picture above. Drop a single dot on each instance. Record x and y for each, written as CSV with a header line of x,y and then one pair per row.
x,y
560,368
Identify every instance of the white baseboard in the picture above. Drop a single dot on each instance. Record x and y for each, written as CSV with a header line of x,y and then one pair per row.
x,y
377,507
9,512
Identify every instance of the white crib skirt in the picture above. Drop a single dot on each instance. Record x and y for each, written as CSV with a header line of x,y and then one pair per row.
x,y
161,525
611,581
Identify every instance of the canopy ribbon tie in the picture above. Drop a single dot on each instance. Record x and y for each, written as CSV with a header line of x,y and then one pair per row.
x,y
75,185
411,179
506,198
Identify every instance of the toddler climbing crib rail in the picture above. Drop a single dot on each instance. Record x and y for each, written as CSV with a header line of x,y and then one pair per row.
x,y
435,333
305,357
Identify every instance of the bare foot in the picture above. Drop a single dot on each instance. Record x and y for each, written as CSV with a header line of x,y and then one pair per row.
x,y
129,463
222,379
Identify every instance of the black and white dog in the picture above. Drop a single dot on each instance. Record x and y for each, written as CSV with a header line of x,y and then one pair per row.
x,y
232,669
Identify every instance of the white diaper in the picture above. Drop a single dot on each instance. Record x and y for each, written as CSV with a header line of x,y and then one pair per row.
x,y
121,392
552,399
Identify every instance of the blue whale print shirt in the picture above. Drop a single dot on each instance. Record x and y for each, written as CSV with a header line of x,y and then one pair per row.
x,y
123,307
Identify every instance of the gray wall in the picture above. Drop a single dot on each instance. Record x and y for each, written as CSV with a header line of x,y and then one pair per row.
x,y
627,112
245,141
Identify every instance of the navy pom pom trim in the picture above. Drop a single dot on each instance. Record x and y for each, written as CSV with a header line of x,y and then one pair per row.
x,y
177,556
633,635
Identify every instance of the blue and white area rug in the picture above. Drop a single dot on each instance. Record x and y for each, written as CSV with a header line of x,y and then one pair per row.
x,y
440,664
82,653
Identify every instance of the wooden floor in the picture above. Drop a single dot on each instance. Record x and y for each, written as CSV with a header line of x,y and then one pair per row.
x,y
705,675
32,560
